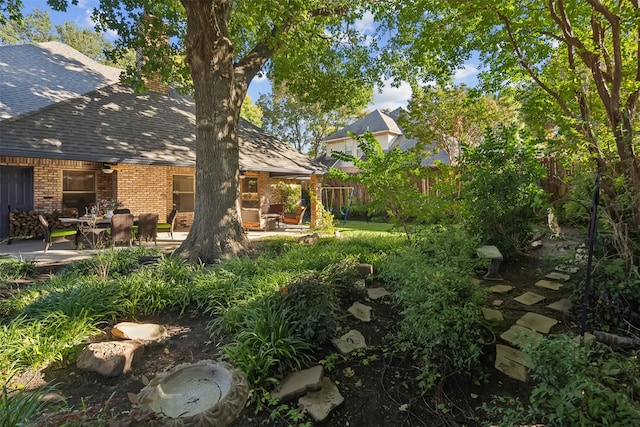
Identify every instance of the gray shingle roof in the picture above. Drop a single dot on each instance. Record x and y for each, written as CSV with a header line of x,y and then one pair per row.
x,y
34,76
375,121
115,125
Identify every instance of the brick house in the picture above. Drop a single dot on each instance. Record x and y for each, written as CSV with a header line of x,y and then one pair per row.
x,y
71,134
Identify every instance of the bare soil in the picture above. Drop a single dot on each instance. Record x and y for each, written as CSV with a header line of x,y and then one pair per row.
x,y
380,392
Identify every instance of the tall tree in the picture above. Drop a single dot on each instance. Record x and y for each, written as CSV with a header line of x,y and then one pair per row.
x,y
304,125
219,46
33,28
584,55
251,112
454,116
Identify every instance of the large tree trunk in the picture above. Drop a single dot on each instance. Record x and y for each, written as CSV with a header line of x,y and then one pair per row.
x,y
216,231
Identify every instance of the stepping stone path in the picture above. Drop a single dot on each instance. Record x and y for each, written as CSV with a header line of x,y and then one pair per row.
x,y
113,358
531,326
317,395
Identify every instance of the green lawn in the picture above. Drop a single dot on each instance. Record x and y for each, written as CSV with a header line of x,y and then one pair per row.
x,y
363,226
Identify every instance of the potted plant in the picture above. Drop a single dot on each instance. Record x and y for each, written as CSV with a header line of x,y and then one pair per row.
x,y
108,205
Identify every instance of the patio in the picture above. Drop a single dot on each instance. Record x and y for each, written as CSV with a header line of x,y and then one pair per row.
x,y
63,253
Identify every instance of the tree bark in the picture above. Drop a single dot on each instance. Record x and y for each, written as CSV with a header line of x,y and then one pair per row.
x,y
217,231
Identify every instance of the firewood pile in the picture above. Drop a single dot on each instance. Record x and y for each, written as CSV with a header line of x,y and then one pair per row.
x,y
25,223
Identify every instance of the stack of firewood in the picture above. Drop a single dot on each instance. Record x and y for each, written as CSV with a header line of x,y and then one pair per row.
x,y
25,223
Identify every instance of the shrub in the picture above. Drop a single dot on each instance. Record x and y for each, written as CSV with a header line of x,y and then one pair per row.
x,y
267,343
575,385
16,269
500,189
442,323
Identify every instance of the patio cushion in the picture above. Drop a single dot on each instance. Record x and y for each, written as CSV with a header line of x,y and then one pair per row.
x,y
64,232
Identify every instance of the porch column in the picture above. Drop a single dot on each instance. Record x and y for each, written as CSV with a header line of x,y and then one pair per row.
x,y
315,188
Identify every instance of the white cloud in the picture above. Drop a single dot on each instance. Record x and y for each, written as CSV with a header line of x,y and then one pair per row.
x,y
366,24
391,97
466,72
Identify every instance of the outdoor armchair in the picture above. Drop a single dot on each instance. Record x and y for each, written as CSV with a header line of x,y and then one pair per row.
x,y
147,227
167,227
294,218
122,228
50,237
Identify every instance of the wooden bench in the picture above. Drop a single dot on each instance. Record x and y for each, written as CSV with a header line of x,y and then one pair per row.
x,y
493,253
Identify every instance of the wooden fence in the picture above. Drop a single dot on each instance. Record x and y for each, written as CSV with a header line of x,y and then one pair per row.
x,y
336,200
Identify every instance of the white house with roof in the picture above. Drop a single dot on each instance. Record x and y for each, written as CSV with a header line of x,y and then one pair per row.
x,y
384,127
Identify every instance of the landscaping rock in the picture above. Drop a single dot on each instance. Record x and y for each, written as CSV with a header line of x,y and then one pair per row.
x,y
563,305
377,293
318,404
298,383
507,359
139,331
500,289
352,340
547,284
529,298
111,358
556,275
519,335
537,322
360,311
491,314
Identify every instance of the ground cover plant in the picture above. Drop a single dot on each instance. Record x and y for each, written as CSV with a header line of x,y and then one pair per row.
x,y
274,311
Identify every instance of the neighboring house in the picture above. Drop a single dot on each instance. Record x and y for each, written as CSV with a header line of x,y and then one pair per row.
x,y
71,134
384,128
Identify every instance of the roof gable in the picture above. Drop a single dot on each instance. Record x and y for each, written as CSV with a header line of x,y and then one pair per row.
x,y
375,121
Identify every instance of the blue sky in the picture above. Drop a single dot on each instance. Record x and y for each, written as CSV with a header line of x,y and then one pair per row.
x,y
389,97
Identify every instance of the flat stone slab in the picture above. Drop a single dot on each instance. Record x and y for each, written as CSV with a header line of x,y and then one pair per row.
x,y
514,355
556,275
491,314
110,358
537,322
547,284
519,335
489,251
318,404
569,269
505,363
377,293
360,311
529,298
352,340
563,305
139,331
500,289
497,302
298,383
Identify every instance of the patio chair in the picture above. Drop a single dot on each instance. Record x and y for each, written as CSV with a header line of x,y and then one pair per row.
x,y
296,218
167,227
122,228
277,208
49,237
121,211
147,227
252,219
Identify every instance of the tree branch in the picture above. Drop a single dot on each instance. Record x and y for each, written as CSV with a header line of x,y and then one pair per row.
x,y
524,64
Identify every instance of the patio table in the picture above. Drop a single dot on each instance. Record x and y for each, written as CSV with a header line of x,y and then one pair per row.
x,y
273,220
91,229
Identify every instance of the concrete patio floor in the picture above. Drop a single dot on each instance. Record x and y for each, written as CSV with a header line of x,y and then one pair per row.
x,y
63,253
